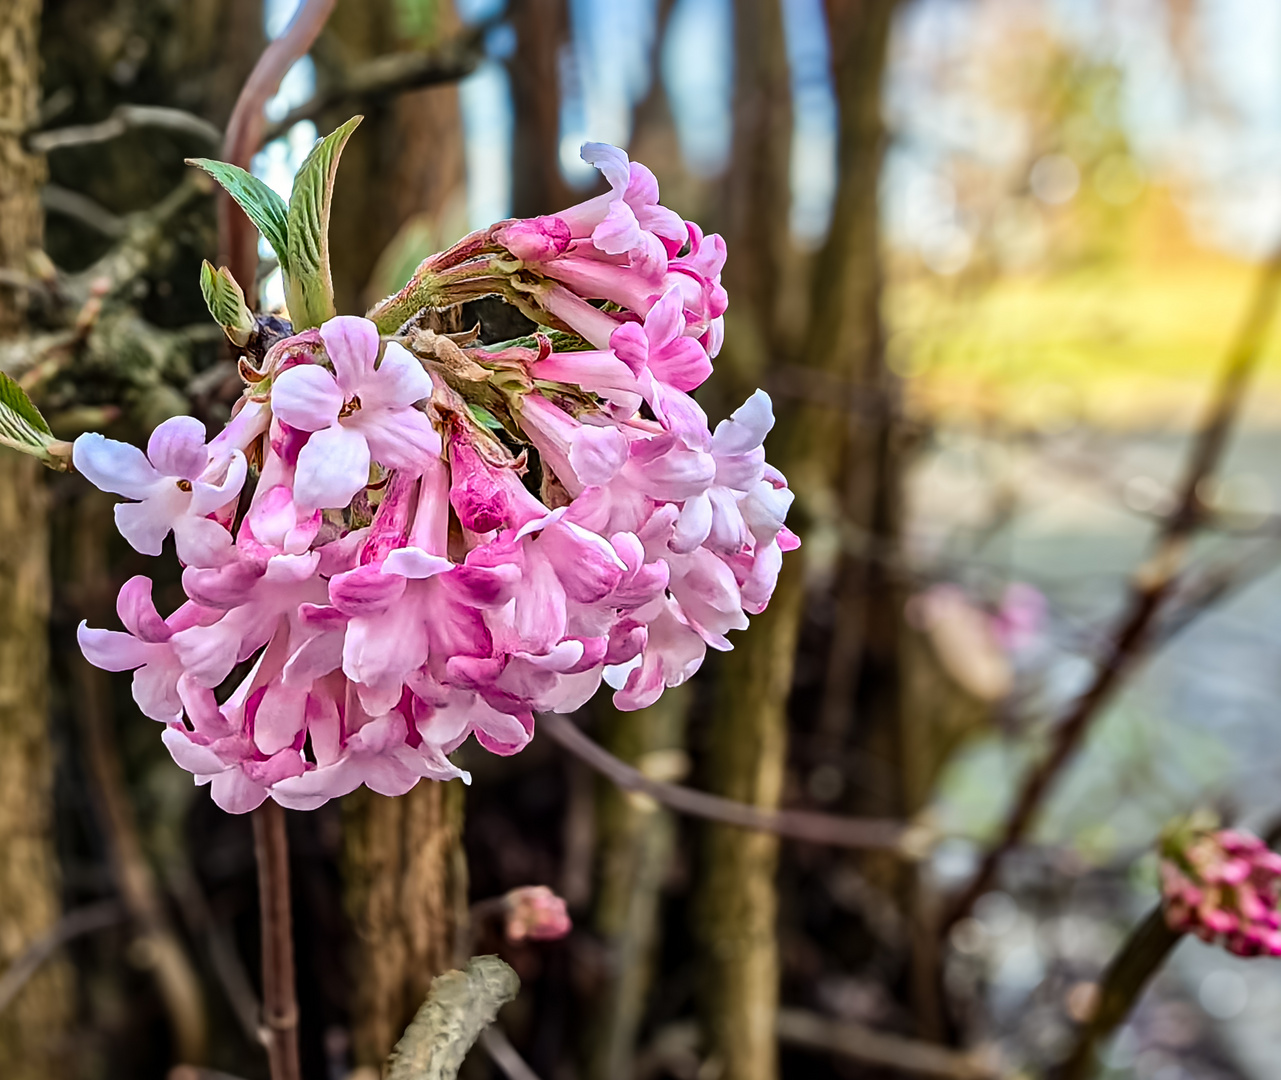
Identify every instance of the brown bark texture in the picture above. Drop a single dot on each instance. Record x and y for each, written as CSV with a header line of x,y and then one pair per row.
x,y
542,32
635,841
406,894
33,1028
834,460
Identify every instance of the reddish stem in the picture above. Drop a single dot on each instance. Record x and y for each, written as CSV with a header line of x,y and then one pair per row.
x,y
279,997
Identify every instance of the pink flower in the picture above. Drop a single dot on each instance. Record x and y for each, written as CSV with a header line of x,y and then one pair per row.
x,y
535,913
179,483
427,559
1222,885
362,411
145,647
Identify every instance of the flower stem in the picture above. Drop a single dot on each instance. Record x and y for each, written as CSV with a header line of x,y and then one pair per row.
x,y
1144,951
279,1000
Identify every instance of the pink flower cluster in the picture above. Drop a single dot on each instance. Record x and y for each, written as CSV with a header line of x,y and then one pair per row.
x,y
377,567
1224,885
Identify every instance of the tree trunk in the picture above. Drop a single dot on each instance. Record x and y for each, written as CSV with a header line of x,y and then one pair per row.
x,y
404,167
542,31
820,442
636,839
406,894
34,1027
405,876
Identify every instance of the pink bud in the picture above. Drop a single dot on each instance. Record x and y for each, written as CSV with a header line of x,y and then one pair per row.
x,y
535,913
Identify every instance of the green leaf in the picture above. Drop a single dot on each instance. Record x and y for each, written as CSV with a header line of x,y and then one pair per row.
x,y
21,425
310,289
460,1005
226,303
267,210
484,417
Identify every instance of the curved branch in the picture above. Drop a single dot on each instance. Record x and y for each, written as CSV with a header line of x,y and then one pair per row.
x,y
881,834
1144,951
1153,583
237,238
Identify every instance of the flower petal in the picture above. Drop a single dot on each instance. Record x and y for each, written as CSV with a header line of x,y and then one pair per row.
x,y
352,344
399,381
306,397
332,467
146,524
177,447
114,466
113,651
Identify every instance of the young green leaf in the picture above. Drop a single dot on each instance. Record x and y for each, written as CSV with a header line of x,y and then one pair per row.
x,y
310,294
484,417
21,425
267,210
226,303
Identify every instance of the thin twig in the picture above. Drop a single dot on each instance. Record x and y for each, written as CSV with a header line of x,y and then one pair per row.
x,y
72,925
880,1049
1144,951
504,1055
73,204
279,995
165,954
1152,584
394,73
237,238
881,834
122,119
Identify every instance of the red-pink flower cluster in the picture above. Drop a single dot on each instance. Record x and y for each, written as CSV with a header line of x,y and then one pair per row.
x,y
1223,885
402,540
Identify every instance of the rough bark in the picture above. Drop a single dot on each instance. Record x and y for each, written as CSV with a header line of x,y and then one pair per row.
x,y
32,1029
542,31
406,894
405,163
819,443
635,842
757,195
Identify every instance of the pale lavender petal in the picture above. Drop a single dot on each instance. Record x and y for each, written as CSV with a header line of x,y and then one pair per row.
x,y
620,232
399,438
113,651
306,397
209,493
611,161
332,467
235,793
279,717
352,344
747,426
155,690
694,524
114,466
146,524
191,755
412,562
138,611
400,380
202,542
177,447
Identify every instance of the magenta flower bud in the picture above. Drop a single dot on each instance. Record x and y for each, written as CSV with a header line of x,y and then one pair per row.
x,y
535,913
1221,885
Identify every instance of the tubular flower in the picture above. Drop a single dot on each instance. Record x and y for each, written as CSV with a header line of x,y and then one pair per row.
x,y
1222,885
437,539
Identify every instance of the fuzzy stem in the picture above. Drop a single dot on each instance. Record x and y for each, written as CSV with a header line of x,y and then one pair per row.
x,y
279,999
